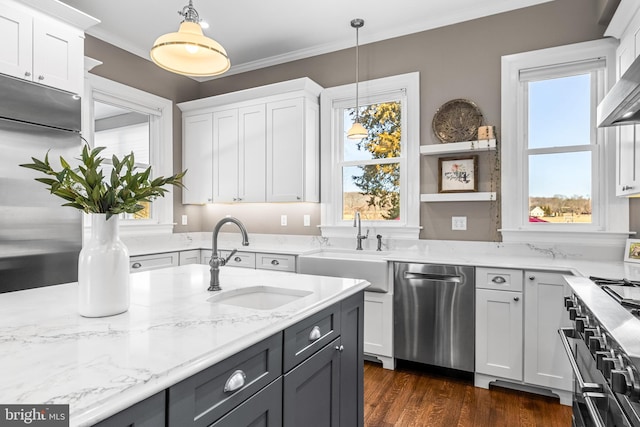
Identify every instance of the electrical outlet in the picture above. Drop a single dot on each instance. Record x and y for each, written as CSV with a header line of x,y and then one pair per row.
x,y
184,220
283,220
458,222
307,220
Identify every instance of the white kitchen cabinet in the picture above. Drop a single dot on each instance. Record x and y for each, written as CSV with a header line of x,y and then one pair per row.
x,y
292,151
197,157
262,261
189,257
279,262
499,333
378,327
518,314
626,27
265,143
153,261
546,363
41,49
499,318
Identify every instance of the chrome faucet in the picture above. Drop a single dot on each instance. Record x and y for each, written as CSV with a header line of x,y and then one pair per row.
x,y
218,261
359,236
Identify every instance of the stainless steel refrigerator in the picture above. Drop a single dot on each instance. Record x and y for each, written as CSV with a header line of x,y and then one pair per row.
x,y
39,239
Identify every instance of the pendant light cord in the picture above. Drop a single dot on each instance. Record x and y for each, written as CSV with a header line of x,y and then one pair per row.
x,y
357,73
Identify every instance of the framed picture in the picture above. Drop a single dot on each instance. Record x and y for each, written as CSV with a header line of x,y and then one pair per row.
x,y
458,174
632,251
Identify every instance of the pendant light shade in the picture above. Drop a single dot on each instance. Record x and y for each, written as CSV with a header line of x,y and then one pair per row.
x,y
357,131
189,51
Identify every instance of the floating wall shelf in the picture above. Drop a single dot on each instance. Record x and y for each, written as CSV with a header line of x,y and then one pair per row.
x,y
458,197
458,147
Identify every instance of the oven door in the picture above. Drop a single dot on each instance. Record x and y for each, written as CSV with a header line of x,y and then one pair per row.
x,y
590,400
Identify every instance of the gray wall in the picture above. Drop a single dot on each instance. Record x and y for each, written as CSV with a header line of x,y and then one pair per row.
x,y
458,61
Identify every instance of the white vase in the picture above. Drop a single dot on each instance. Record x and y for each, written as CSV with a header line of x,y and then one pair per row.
x,y
103,270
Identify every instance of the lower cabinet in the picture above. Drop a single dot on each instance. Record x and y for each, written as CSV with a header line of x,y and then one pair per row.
x,y
518,314
311,374
378,330
262,261
153,261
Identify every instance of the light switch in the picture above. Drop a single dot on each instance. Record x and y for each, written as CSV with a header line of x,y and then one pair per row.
x,y
184,220
283,220
307,220
458,222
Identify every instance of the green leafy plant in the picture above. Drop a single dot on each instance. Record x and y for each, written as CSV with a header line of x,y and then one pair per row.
x,y
86,188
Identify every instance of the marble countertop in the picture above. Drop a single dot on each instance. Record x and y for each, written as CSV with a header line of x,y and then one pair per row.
x,y
100,366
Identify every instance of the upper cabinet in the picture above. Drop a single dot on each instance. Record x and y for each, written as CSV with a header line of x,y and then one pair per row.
x,y
43,49
625,26
256,145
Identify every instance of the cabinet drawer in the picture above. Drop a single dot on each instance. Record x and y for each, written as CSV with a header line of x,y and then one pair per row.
x,y
240,259
276,262
148,413
499,278
203,398
152,262
190,257
309,335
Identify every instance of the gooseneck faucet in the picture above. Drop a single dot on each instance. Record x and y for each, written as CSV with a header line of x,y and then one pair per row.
x,y
218,261
359,236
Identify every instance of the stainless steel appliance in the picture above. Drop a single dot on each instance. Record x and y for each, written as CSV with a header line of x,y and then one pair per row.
x,y
621,105
39,239
604,350
434,314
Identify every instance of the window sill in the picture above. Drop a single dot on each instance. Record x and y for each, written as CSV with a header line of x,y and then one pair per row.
x,y
388,232
555,236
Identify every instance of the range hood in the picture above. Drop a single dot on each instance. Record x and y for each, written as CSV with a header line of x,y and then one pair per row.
x,y
621,106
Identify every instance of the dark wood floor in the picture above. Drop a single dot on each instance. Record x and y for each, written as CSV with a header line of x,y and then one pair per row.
x,y
410,397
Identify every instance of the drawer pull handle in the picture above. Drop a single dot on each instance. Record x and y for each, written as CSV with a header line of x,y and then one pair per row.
x,y
315,334
235,381
237,259
136,265
275,262
499,280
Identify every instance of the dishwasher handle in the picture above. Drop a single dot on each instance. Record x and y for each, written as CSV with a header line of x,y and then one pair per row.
x,y
433,277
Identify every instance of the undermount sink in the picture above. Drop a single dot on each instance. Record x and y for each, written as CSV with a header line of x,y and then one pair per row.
x,y
258,297
368,265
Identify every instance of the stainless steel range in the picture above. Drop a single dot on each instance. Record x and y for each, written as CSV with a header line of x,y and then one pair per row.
x,y
604,349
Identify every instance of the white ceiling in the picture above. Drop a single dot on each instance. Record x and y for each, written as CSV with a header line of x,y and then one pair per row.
x,y
258,34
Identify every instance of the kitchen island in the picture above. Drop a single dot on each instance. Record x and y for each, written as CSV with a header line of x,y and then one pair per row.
x,y
102,366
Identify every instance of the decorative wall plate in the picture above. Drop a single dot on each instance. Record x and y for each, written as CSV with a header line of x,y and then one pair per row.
x,y
457,121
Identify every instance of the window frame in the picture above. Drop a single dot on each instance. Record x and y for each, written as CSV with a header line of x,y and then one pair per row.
x,y
610,220
333,101
160,111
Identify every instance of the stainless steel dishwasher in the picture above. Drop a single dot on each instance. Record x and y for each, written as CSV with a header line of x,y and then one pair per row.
x,y
434,314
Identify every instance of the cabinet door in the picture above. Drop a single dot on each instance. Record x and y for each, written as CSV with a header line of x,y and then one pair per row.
x,y
15,49
311,395
264,409
352,361
225,156
58,55
378,320
148,413
252,154
189,257
499,333
546,362
197,158
285,150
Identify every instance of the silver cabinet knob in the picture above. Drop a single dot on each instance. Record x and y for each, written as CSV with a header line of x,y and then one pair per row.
x,y
340,348
235,381
315,334
237,259
516,299
275,262
40,77
532,277
136,265
27,74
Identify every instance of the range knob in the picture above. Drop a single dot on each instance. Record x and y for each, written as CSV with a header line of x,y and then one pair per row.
x,y
568,302
610,364
625,381
600,356
573,312
596,344
582,323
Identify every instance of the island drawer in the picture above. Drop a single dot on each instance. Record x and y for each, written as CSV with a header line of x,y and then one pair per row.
x,y
309,335
240,259
276,262
208,395
503,279
152,262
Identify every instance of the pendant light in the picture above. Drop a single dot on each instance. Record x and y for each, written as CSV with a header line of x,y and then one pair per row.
x,y
357,131
189,51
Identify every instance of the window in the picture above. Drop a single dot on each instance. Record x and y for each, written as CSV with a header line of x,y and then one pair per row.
x,y
125,120
379,175
557,173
